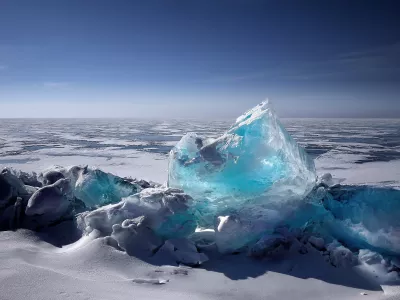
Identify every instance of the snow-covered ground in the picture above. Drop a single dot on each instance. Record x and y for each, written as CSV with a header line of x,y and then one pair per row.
x,y
33,269
52,265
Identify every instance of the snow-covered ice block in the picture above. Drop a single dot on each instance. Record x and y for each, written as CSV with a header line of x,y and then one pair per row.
x,y
369,257
181,250
50,203
6,191
164,208
51,176
317,242
255,163
203,237
30,179
380,268
266,245
136,237
233,232
11,187
340,256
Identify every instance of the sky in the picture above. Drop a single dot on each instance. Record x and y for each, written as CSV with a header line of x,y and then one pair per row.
x,y
199,59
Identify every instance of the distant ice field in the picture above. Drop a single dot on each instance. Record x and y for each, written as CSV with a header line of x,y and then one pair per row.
x,y
361,151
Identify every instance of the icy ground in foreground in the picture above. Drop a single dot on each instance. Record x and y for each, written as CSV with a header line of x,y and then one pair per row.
x,y
253,190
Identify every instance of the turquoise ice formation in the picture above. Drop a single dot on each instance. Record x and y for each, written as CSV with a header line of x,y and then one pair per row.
x,y
364,217
256,165
95,187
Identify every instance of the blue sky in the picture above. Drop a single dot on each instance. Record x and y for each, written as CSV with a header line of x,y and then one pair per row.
x,y
199,59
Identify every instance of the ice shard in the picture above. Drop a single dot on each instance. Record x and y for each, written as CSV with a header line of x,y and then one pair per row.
x,y
255,167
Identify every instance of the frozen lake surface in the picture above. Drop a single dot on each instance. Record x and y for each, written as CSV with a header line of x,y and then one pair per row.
x,y
358,150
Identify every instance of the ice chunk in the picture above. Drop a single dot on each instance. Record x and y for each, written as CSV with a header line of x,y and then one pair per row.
x,y
30,179
369,257
266,245
136,237
6,191
255,171
379,268
203,238
95,187
340,256
181,251
11,217
233,232
164,208
11,187
255,156
230,234
365,217
174,211
50,203
51,177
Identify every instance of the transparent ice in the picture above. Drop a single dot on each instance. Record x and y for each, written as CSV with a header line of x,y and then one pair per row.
x,y
255,162
95,187
364,217
255,172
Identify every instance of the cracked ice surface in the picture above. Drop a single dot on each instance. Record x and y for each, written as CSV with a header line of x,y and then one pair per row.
x,y
253,169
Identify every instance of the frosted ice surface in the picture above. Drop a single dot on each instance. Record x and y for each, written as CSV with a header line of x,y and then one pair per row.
x,y
164,208
255,159
365,217
136,237
95,187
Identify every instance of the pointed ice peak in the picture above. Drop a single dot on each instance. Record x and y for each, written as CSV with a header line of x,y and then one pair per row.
x,y
256,112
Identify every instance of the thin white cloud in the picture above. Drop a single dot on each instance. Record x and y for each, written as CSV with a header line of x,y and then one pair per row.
x,y
3,67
